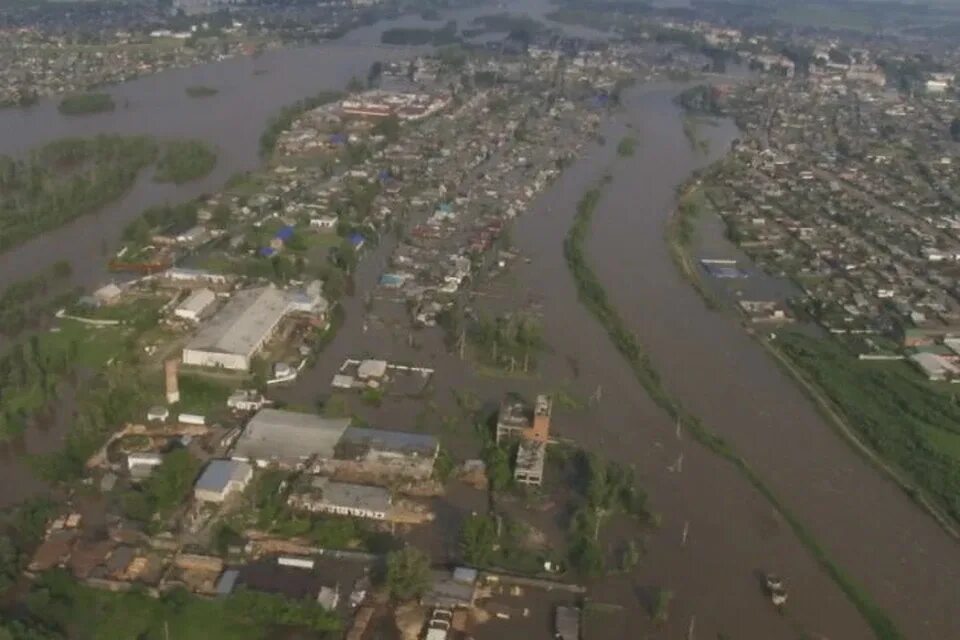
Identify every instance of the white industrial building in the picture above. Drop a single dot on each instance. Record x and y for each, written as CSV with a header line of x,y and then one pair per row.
x,y
222,478
195,305
233,336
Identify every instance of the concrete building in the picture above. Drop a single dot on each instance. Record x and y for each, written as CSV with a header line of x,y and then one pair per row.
x,y
287,438
343,498
222,478
455,589
246,400
533,429
233,337
513,419
196,304
531,458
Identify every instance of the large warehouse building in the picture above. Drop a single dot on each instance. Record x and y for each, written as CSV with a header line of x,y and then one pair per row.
x,y
332,447
288,438
233,337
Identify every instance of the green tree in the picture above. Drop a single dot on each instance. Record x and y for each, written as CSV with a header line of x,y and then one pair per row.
x,y
478,540
499,475
173,479
9,563
220,217
388,127
408,573
355,85
660,610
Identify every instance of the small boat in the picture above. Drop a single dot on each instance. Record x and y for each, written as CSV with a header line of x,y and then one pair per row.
x,y
776,590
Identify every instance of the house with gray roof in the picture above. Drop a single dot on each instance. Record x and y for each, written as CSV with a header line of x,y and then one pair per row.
x,y
287,438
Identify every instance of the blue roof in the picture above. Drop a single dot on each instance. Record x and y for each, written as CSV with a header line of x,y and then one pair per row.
x,y
218,474
267,251
390,440
356,239
338,138
285,233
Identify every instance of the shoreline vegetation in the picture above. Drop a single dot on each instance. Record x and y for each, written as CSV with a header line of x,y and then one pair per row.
x,y
66,179
184,161
594,297
201,91
809,360
681,229
627,147
418,36
86,103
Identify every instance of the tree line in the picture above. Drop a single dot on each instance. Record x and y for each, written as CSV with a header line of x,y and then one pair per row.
x,y
66,179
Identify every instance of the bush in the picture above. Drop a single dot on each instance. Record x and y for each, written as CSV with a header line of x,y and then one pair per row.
x,y
185,160
408,574
86,103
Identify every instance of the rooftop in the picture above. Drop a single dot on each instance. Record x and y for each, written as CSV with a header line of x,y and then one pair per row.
x,y
242,324
289,437
358,440
531,456
220,473
353,496
198,301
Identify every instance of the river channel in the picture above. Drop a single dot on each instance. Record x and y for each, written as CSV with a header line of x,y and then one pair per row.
x,y
866,524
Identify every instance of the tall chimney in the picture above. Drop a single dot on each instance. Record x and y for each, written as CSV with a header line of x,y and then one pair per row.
x,y
171,368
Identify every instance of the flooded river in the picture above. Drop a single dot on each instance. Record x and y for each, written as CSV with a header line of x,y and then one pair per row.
x,y
866,524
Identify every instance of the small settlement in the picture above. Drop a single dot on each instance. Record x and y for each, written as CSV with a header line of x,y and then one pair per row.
x,y
287,432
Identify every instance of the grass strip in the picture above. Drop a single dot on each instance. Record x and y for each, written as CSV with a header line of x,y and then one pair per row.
x,y
594,297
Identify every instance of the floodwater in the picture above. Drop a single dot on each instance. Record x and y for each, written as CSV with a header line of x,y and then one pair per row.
x,y
733,534
251,91
865,523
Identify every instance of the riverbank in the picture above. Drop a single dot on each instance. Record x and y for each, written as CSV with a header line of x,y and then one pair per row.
x,y
833,414
681,229
694,202
594,297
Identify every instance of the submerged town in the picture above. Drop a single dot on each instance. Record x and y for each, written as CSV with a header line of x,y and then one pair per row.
x,y
322,400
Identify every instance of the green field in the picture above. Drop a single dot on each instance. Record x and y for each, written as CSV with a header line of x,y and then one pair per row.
x,y
909,423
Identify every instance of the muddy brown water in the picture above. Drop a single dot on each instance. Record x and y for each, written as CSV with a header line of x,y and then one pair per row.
x,y
866,524
734,535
